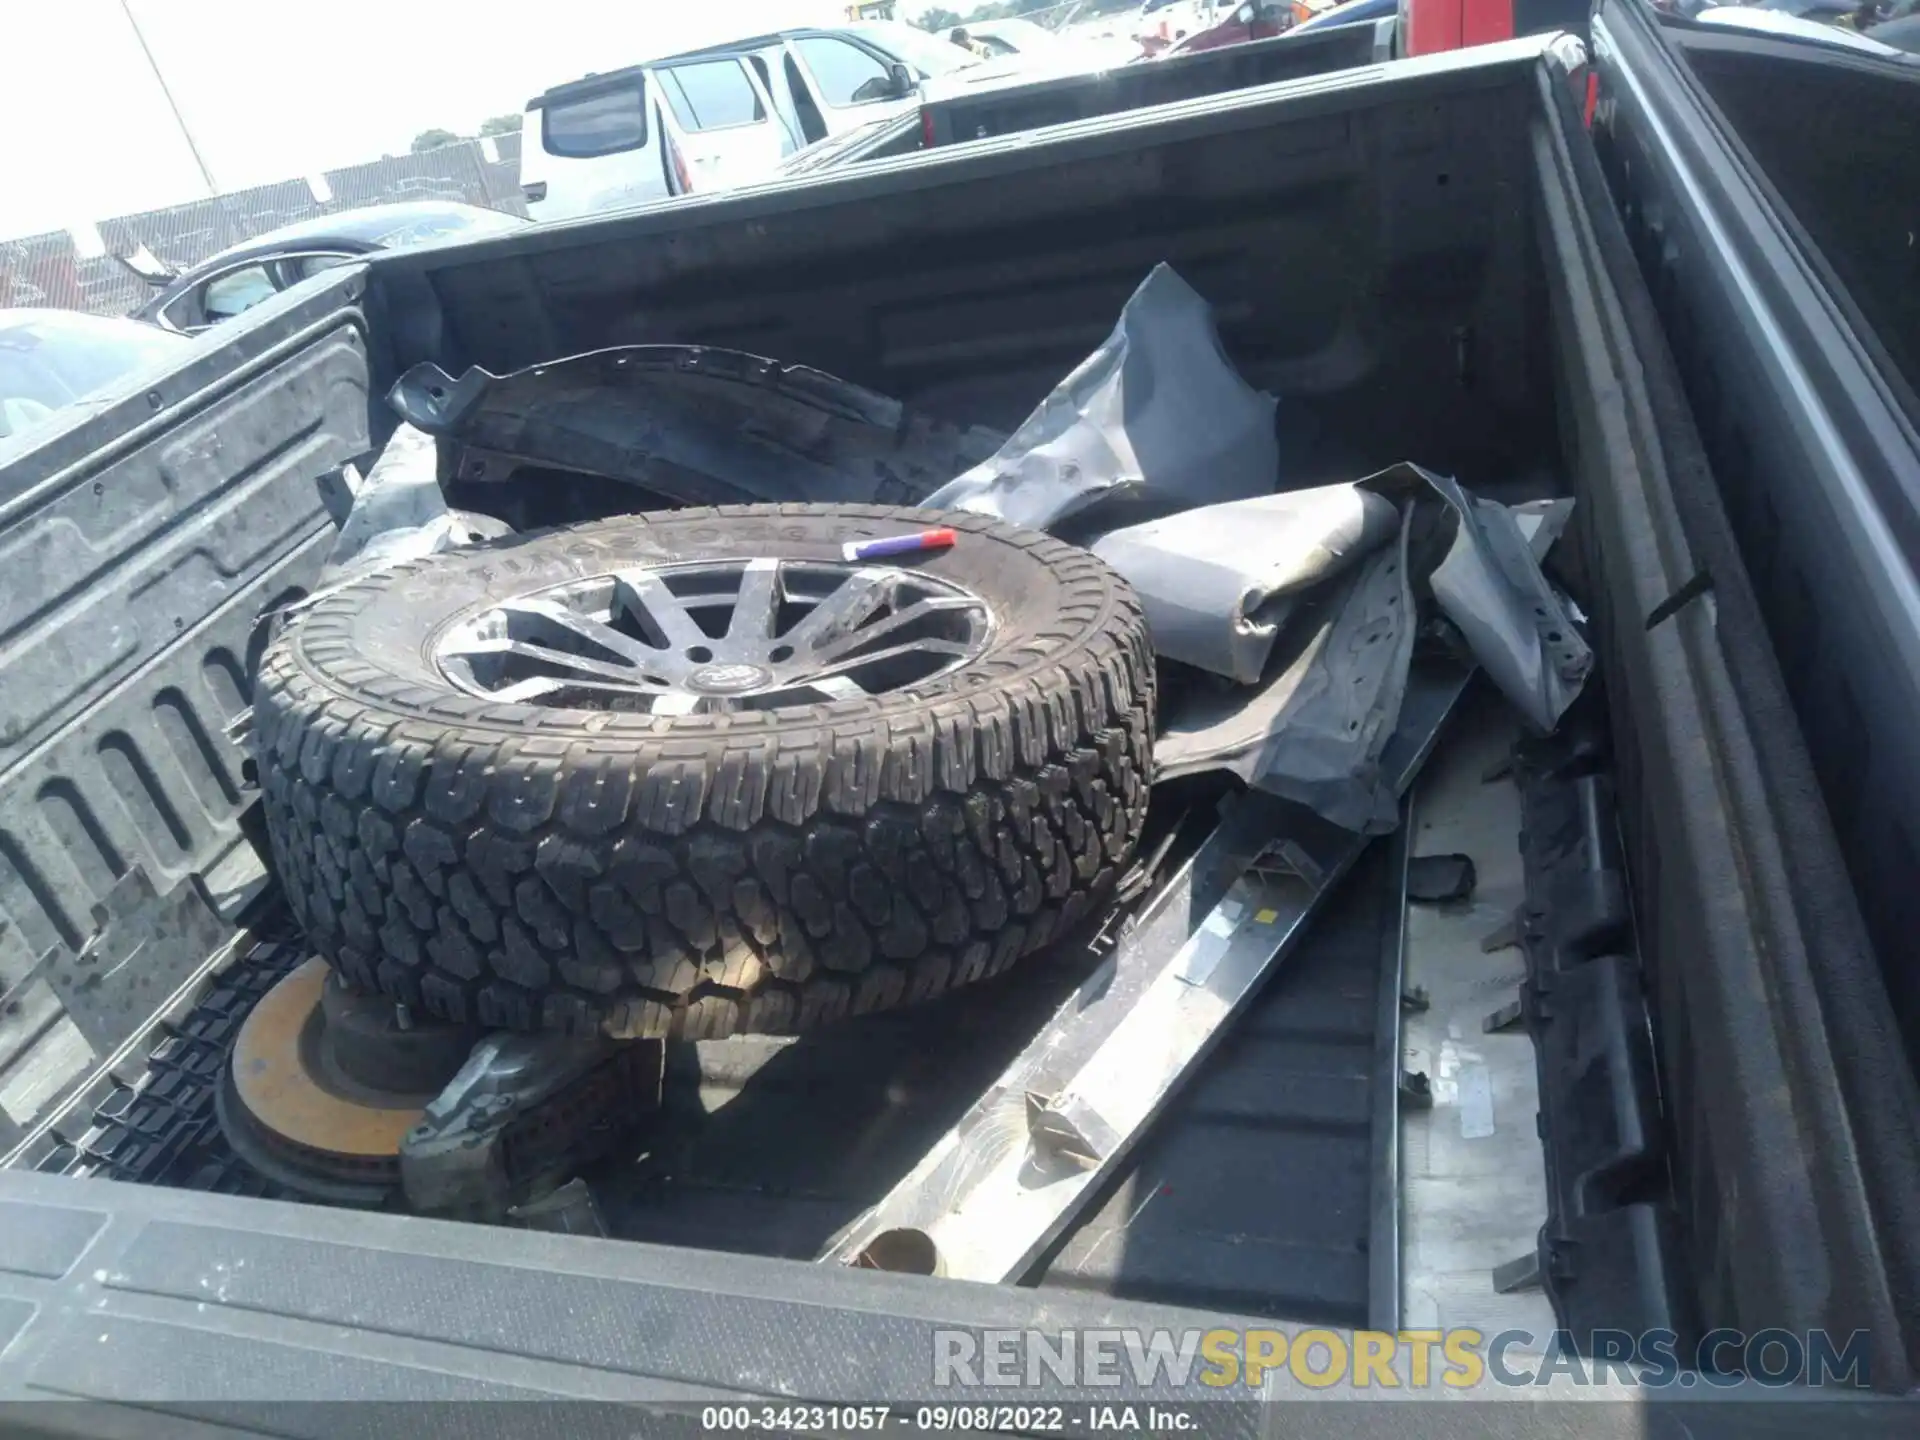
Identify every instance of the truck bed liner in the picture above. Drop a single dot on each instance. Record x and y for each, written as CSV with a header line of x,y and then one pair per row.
x,y
1199,1216
808,1132
1269,1189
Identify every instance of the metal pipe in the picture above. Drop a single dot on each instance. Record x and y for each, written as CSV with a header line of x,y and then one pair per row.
x,y
126,8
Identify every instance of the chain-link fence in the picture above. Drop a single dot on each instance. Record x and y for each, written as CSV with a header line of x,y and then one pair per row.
x,y
1058,16
51,270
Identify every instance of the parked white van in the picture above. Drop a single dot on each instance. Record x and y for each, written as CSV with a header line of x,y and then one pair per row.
x,y
719,117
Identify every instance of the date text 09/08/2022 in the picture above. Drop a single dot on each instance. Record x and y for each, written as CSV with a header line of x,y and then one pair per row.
x,y
1032,1419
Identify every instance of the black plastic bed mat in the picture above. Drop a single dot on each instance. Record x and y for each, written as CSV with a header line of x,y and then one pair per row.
x,y
1610,1254
828,1123
808,1132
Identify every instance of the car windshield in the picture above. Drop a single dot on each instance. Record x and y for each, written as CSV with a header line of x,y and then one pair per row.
x,y
49,359
929,54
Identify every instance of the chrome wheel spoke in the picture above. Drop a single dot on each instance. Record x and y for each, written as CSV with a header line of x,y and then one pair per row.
x,y
659,604
621,676
842,611
758,605
841,642
706,637
535,688
588,628
523,692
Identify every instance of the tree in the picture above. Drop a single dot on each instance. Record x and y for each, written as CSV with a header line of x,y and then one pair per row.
x,y
433,140
938,20
502,124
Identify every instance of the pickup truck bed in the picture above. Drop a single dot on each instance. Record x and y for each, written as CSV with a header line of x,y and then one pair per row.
x,y
773,1146
1423,263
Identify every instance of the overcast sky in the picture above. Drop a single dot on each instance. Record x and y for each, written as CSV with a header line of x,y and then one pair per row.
x,y
272,89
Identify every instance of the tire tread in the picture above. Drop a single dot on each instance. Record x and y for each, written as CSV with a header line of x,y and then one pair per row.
x,y
711,875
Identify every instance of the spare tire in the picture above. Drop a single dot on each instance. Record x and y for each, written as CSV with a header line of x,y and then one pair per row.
x,y
695,773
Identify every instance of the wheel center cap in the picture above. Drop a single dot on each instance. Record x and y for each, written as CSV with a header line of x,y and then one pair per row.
x,y
729,679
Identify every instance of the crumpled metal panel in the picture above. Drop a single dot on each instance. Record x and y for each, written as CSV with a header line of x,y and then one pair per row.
x,y
398,512
1313,731
1219,582
1157,414
1518,627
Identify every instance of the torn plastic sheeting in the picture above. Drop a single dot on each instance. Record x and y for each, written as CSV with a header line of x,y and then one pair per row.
x,y
1218,582
1157,412
397,510
1314,732
399,513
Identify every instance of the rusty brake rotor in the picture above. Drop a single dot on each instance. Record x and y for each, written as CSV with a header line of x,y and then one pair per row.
x,y
324,1084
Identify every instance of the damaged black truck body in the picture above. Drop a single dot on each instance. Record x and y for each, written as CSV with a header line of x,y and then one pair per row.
x,y
975,113
1422,264
964,107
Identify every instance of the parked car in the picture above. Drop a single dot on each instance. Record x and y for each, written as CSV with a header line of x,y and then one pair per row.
x,y
1351,12
1429,27
1013,36
1902,33
1790,26
1892,25
51,359
1034,47
718,117
1825,11
243,275
1254,20
1158,24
